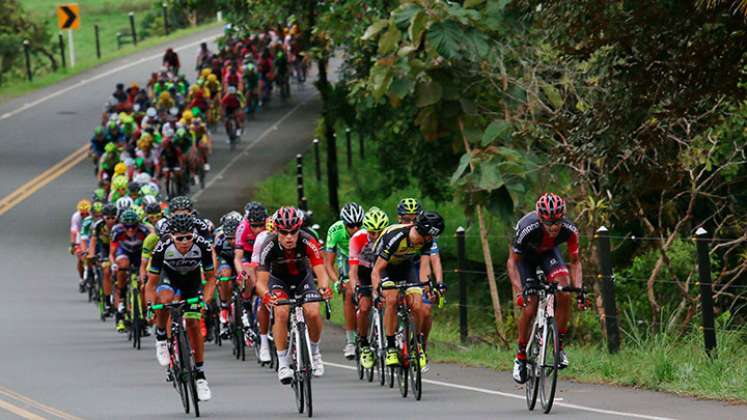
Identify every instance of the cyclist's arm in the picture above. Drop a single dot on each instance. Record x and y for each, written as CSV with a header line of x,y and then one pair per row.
x,y
263,280
577,278
425,268
329,265
92,246
512,266
379,265
209,286
154,274
321,276
438,271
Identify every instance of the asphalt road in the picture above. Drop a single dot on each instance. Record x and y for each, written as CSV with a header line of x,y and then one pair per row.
x,y
58,361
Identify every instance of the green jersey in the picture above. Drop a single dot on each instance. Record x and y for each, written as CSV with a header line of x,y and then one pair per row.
x,y
149,244
338,240
85,228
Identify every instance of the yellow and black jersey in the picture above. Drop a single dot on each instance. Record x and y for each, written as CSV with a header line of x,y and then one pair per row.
x,y
395,247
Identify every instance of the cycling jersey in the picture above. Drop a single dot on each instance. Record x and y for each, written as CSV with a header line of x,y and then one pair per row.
x,y
181,270
245,238
259,242
290,264
129,244
85,228
362,250
338,240
102,233
224,249
531,238
394,246
230,102
75,223
149,244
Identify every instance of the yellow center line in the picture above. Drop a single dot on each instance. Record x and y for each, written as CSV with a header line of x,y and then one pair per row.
x,y
36,404
18,411
40,181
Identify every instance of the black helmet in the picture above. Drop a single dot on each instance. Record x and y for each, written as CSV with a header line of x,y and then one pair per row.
x,y
255,212
230,215
153,208
181,223
429,223
181,202
109,210
229,227
133,187
129,217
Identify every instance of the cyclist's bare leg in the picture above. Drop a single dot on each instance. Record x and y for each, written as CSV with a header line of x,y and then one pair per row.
x,y
525,320
196,340
225,288
349,307
123,265
107,273
263,318
427,323
280,328
563,311
314,320
364,308
415,301
390,311
162,316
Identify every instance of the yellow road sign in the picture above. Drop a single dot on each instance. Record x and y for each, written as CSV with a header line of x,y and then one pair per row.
x,y
68,16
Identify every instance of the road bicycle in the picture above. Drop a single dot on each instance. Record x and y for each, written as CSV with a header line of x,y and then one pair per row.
x,y
134,314
544,344
181,371
409,344
232,130
90,283
299,351
376,341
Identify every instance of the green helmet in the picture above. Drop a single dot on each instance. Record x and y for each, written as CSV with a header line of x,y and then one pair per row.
x,y
99,194
98,207
129,217
110,148
98,130
119,182
375,220
148,190
139,212
409,206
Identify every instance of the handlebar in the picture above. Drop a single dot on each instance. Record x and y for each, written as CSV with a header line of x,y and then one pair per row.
x,y
403,286
295,301
553,287
178,304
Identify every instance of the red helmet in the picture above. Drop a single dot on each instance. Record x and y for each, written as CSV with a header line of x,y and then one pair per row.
x,y
288,218
550,207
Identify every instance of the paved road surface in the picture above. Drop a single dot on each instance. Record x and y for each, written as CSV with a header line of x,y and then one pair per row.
x,y
59,361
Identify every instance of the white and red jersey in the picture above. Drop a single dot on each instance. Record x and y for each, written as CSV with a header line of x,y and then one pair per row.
x,y
258,242
75,222
361,250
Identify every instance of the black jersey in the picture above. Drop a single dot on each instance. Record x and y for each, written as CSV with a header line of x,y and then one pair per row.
x,y
530,236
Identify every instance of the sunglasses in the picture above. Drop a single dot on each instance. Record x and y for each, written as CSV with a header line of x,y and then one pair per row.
x,y
407,219
130,227
183,238
287,232
548,223
110,217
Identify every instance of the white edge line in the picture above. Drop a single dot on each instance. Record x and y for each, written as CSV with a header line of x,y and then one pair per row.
x,y
97,77
521,397
253,143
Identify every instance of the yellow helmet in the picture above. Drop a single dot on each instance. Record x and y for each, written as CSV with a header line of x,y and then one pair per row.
x,y
212,78
120,168
164,96
206,72
187,115
84,206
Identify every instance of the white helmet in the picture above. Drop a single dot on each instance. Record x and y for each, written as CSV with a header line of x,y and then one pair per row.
x,y
123,204
142,178
352,214
149,199
151,112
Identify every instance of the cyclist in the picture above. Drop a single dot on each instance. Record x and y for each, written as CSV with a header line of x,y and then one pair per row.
x,y
125,252
176,268
153,211
184,205
107,161
231,104
225,245
99,248
291,258
171,61
336,251
203,57
361,258
118,187
397,249
83,209
407,210
535,245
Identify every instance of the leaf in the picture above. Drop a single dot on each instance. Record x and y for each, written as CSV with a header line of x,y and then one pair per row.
x,y
427,93
553,95
445,38
406,50
401,87
490,176
428,123
472,3
417,27
497,129
374,29
389,41
463,163
403,14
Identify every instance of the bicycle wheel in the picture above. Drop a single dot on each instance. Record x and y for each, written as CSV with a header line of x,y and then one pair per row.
x,y
90,283
189,373
180,373
404,360
136,326
295,364
305,369
532,384
415,373
358,366
548,372
378,341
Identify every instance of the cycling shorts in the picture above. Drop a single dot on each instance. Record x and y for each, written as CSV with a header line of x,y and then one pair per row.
x,y
134,257
404,272
186,287
364,279
550,262
304,287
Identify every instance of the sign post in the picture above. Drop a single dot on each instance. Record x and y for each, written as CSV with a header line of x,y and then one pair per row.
x,y
68,17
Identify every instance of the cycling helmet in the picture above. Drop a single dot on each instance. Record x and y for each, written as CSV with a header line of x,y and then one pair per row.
x,y
255,212
99,194
98,130
409,206
119,182
109,210
110,148
287,218
206,72
181,202
181,223
352,214
212,78
162,226
149,199
229,228
187,115
84,206
97,207
129,217
139,211
151,112
375,220
550,207
153,207
142,178
133,187
232,89
231,215
124,203
429,223
120,168
147,191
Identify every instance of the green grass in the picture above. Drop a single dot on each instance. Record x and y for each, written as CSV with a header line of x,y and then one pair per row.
x,y
656,362
111,16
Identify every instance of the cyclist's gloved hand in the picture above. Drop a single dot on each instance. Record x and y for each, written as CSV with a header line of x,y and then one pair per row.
x,y
441,288
521,300
326,293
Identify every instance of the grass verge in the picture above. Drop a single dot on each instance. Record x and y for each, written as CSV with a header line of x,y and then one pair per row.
x,y
655,362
